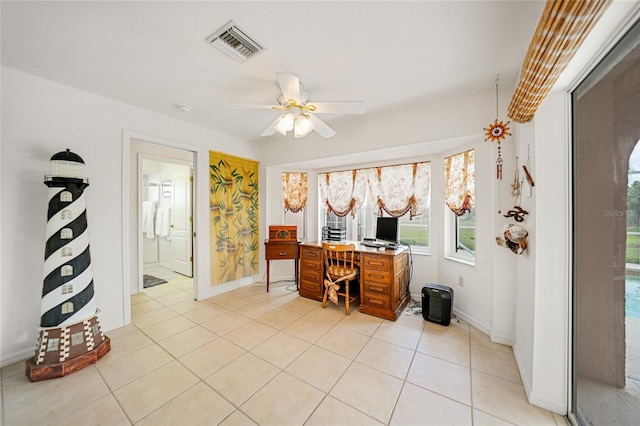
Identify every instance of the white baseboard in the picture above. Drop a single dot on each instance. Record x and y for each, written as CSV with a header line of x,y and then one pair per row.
x,y
467,318
542,402
21,355
226,287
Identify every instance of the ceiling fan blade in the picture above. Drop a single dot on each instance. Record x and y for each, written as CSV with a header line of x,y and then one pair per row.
x,y
254,106
346,107
271,129
321,127
290,86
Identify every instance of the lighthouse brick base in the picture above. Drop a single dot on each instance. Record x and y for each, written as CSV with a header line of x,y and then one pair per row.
x,y
64,350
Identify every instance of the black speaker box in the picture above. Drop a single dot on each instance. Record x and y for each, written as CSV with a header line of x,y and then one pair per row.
x,y
437,302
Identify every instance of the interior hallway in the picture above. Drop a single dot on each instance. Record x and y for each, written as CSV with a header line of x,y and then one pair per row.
x,y
248,357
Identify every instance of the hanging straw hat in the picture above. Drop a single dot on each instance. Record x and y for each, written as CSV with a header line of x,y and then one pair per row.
x,y
514,237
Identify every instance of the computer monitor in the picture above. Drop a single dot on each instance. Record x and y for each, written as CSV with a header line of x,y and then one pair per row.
x,y
387,229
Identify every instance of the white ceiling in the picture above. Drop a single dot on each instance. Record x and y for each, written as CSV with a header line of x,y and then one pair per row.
x,y
154,55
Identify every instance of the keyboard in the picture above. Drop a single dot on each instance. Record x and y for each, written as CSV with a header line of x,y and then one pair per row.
x,y
378,244
372,244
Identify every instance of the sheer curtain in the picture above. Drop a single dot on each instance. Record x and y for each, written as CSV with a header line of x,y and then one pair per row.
x,y
459,182
294,191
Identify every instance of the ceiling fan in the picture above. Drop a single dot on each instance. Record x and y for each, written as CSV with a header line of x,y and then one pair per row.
x,y
298,114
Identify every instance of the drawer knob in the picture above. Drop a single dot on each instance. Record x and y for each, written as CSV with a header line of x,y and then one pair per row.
x,y
377,275
283,253
376,302
380,289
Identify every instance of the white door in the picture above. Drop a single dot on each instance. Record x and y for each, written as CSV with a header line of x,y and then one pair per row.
x,y
182,224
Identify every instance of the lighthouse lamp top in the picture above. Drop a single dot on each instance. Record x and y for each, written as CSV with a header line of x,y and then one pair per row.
x,y
67,164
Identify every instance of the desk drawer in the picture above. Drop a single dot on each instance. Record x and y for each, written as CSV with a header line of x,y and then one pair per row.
x,y
311,273
376,289
282,251
379,263
375,301
308,253
311,286
376,275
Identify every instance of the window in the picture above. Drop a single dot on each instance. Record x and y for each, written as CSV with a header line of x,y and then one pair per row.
x,y
77,338
298,218
67,307
415,231
67,289
95,329
66,214
66,252
53,344
66,233
465,229
66,197
66,271
459,194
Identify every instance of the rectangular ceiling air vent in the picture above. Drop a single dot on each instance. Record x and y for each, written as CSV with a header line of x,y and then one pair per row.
x,y
235,42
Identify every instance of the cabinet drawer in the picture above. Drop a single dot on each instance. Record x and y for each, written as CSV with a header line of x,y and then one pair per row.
x,y
376,275
311,254
374,301
380,263
311,274
282,251
376,289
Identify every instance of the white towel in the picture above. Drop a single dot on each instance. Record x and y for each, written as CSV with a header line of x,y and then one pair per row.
x,y
148,212
163,220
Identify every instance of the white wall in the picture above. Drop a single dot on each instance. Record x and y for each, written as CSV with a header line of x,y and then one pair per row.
x,y
40,118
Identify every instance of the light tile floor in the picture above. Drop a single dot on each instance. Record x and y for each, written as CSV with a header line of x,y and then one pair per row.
x,y
247,357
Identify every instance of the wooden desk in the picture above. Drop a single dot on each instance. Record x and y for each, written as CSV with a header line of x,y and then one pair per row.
x,y
383,278
281,250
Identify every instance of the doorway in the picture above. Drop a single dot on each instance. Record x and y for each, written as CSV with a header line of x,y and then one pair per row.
x,y
606,263
167,220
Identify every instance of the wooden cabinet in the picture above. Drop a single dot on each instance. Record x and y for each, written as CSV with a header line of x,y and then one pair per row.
x,y
383,284
281,250
311,271
383,278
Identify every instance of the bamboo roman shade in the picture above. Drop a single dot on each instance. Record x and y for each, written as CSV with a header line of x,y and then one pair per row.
x,y
562,27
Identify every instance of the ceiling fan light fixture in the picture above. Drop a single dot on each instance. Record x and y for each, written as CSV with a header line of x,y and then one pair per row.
x,y
303,126
285,123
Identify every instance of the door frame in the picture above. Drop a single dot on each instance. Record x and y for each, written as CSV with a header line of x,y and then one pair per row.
x,y
130,269
140,182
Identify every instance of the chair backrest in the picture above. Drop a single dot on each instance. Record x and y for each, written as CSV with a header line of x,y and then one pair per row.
x,y
339,260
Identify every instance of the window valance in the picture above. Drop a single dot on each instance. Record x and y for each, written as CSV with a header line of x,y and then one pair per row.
x,y
394,189
400,189
459,182
294,191
343,192
562,27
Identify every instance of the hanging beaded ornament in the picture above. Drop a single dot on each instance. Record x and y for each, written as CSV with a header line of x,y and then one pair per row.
x,y
496,132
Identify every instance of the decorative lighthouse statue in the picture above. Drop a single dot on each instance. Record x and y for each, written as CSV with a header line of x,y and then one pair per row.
x,y
70,334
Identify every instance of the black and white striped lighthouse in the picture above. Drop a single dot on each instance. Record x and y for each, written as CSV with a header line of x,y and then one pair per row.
x,y
70,333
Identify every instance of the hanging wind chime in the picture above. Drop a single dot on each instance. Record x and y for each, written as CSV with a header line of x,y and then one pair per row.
x,y
496,132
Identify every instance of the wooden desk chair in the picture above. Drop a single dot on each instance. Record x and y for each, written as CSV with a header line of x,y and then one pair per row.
x,y
340,270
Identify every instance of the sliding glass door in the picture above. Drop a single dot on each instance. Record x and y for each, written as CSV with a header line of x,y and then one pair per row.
x,y
606,246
